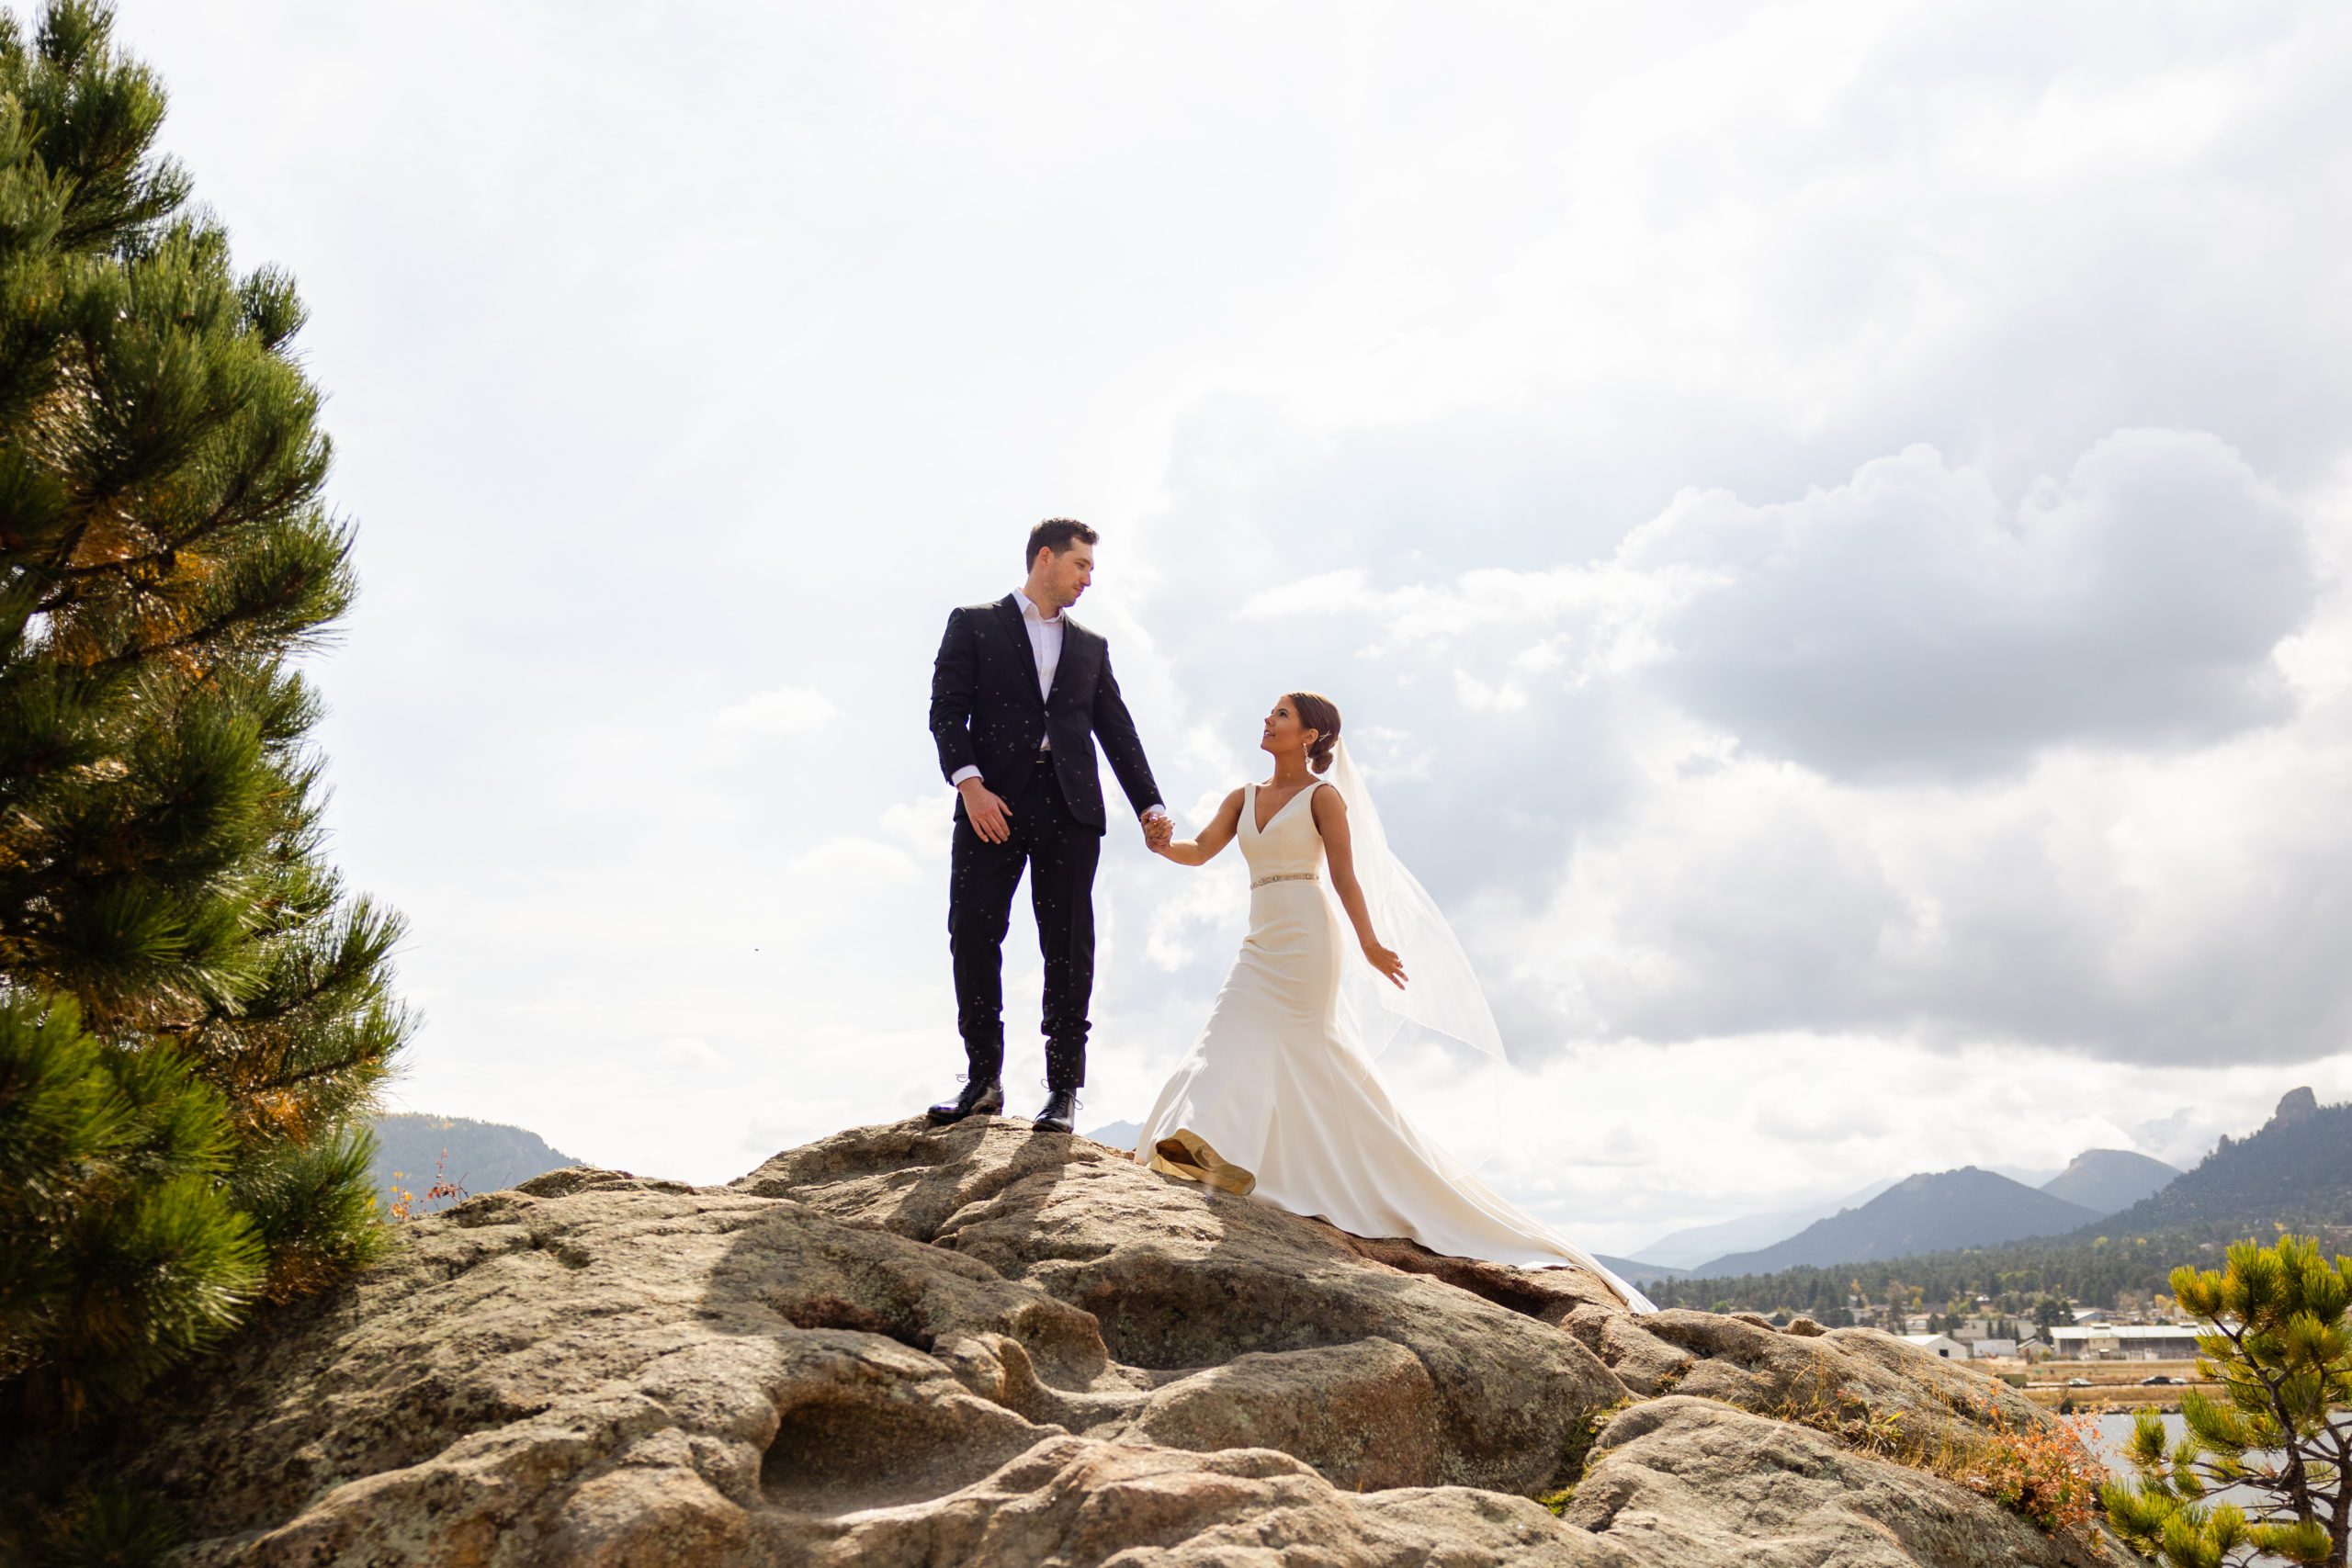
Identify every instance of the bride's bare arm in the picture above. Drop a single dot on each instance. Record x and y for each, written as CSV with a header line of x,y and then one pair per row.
x,y
1339,851
1214,837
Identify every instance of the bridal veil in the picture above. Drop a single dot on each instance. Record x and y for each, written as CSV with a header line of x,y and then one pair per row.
x,y
1443,994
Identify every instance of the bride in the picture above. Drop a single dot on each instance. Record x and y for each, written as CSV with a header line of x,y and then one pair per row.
x,y
1278,1096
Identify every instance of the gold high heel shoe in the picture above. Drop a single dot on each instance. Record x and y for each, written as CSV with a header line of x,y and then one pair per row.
x,y
1186,1154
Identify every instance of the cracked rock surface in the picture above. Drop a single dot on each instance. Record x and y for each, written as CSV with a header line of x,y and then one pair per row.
x,y
908,1345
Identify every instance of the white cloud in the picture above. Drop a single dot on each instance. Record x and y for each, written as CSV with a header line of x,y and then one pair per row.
x,y
2098,904
785,712
687,1056
840,868
1907,620
1186,920
1893,755
925,825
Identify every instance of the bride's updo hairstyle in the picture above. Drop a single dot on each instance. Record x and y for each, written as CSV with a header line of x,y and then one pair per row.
x,y
1321,715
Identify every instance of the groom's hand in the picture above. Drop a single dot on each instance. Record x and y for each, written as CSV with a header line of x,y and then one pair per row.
x,y
990,817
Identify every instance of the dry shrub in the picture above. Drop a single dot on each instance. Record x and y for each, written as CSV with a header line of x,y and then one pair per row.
x,y
404,1201
2042,1470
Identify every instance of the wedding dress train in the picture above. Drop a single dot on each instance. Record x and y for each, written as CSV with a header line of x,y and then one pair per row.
x,y
1275,1099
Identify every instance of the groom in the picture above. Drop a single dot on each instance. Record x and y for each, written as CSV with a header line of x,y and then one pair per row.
x,y
1020,693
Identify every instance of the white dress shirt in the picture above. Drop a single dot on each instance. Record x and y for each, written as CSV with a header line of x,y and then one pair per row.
x,y
1045,649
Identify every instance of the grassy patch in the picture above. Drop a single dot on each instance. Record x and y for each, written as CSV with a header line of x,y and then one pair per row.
x,y
1575,1452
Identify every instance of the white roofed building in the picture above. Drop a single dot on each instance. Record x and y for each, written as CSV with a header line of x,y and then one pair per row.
x,y
1942,1345
2124,1342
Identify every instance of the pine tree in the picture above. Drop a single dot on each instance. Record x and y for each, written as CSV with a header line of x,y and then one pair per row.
x,y
124,1249
2280,1344
194,1014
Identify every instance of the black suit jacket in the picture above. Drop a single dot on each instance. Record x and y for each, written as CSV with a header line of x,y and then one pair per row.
x,y
985,711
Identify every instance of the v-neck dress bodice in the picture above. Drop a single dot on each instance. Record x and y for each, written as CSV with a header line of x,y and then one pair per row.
x,y
1274,1101
1289,845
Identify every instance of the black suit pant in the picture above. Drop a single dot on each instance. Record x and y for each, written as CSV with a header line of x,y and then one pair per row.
x,y
1060,852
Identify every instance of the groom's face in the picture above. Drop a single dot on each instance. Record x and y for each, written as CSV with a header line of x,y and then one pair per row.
x,y
1068,573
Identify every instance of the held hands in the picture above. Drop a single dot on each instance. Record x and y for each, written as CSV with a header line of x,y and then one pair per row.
x,y
991,817
1387,962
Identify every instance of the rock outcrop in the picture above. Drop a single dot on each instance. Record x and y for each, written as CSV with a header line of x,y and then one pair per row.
x,y
903,1345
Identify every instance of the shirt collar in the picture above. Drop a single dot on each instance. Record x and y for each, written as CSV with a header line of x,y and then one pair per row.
x,y
1030,611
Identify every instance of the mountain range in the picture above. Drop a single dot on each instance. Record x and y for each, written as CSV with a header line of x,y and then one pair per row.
x,y
2295,1170
2108,1180
1932,1212
2292,1173
1118,1134
1685,1250
1635,1271
480,1157
1929,1212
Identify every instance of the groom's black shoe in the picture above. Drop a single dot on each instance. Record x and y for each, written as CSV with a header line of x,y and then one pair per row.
x,y
1060,1112
981,1097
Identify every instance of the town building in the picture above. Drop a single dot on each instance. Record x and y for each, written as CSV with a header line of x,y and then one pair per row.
x,y
2124,1342
1942,1345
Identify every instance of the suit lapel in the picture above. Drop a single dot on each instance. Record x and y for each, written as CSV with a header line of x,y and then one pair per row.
x,y
1017,628
1074,638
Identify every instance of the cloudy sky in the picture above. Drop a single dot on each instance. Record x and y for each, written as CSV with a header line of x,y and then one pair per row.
x,y
1830,519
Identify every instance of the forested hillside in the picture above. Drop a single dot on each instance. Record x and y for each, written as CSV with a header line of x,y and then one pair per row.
x,y
2108,1180
2296,1169
1927,1212
2295,1173
414,1152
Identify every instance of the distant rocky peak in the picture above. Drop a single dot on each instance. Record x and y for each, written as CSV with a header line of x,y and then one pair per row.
x,y
2300,1105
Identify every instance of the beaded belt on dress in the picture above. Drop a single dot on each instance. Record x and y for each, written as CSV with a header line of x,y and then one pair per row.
x,y
1284,877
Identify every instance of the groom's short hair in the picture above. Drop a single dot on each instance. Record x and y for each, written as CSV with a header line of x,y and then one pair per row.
x,y
1057,534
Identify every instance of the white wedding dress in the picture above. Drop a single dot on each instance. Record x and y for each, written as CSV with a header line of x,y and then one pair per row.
x,y
1276,1098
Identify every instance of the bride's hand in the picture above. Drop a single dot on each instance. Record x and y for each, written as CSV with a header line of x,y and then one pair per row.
x,y
1387,963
